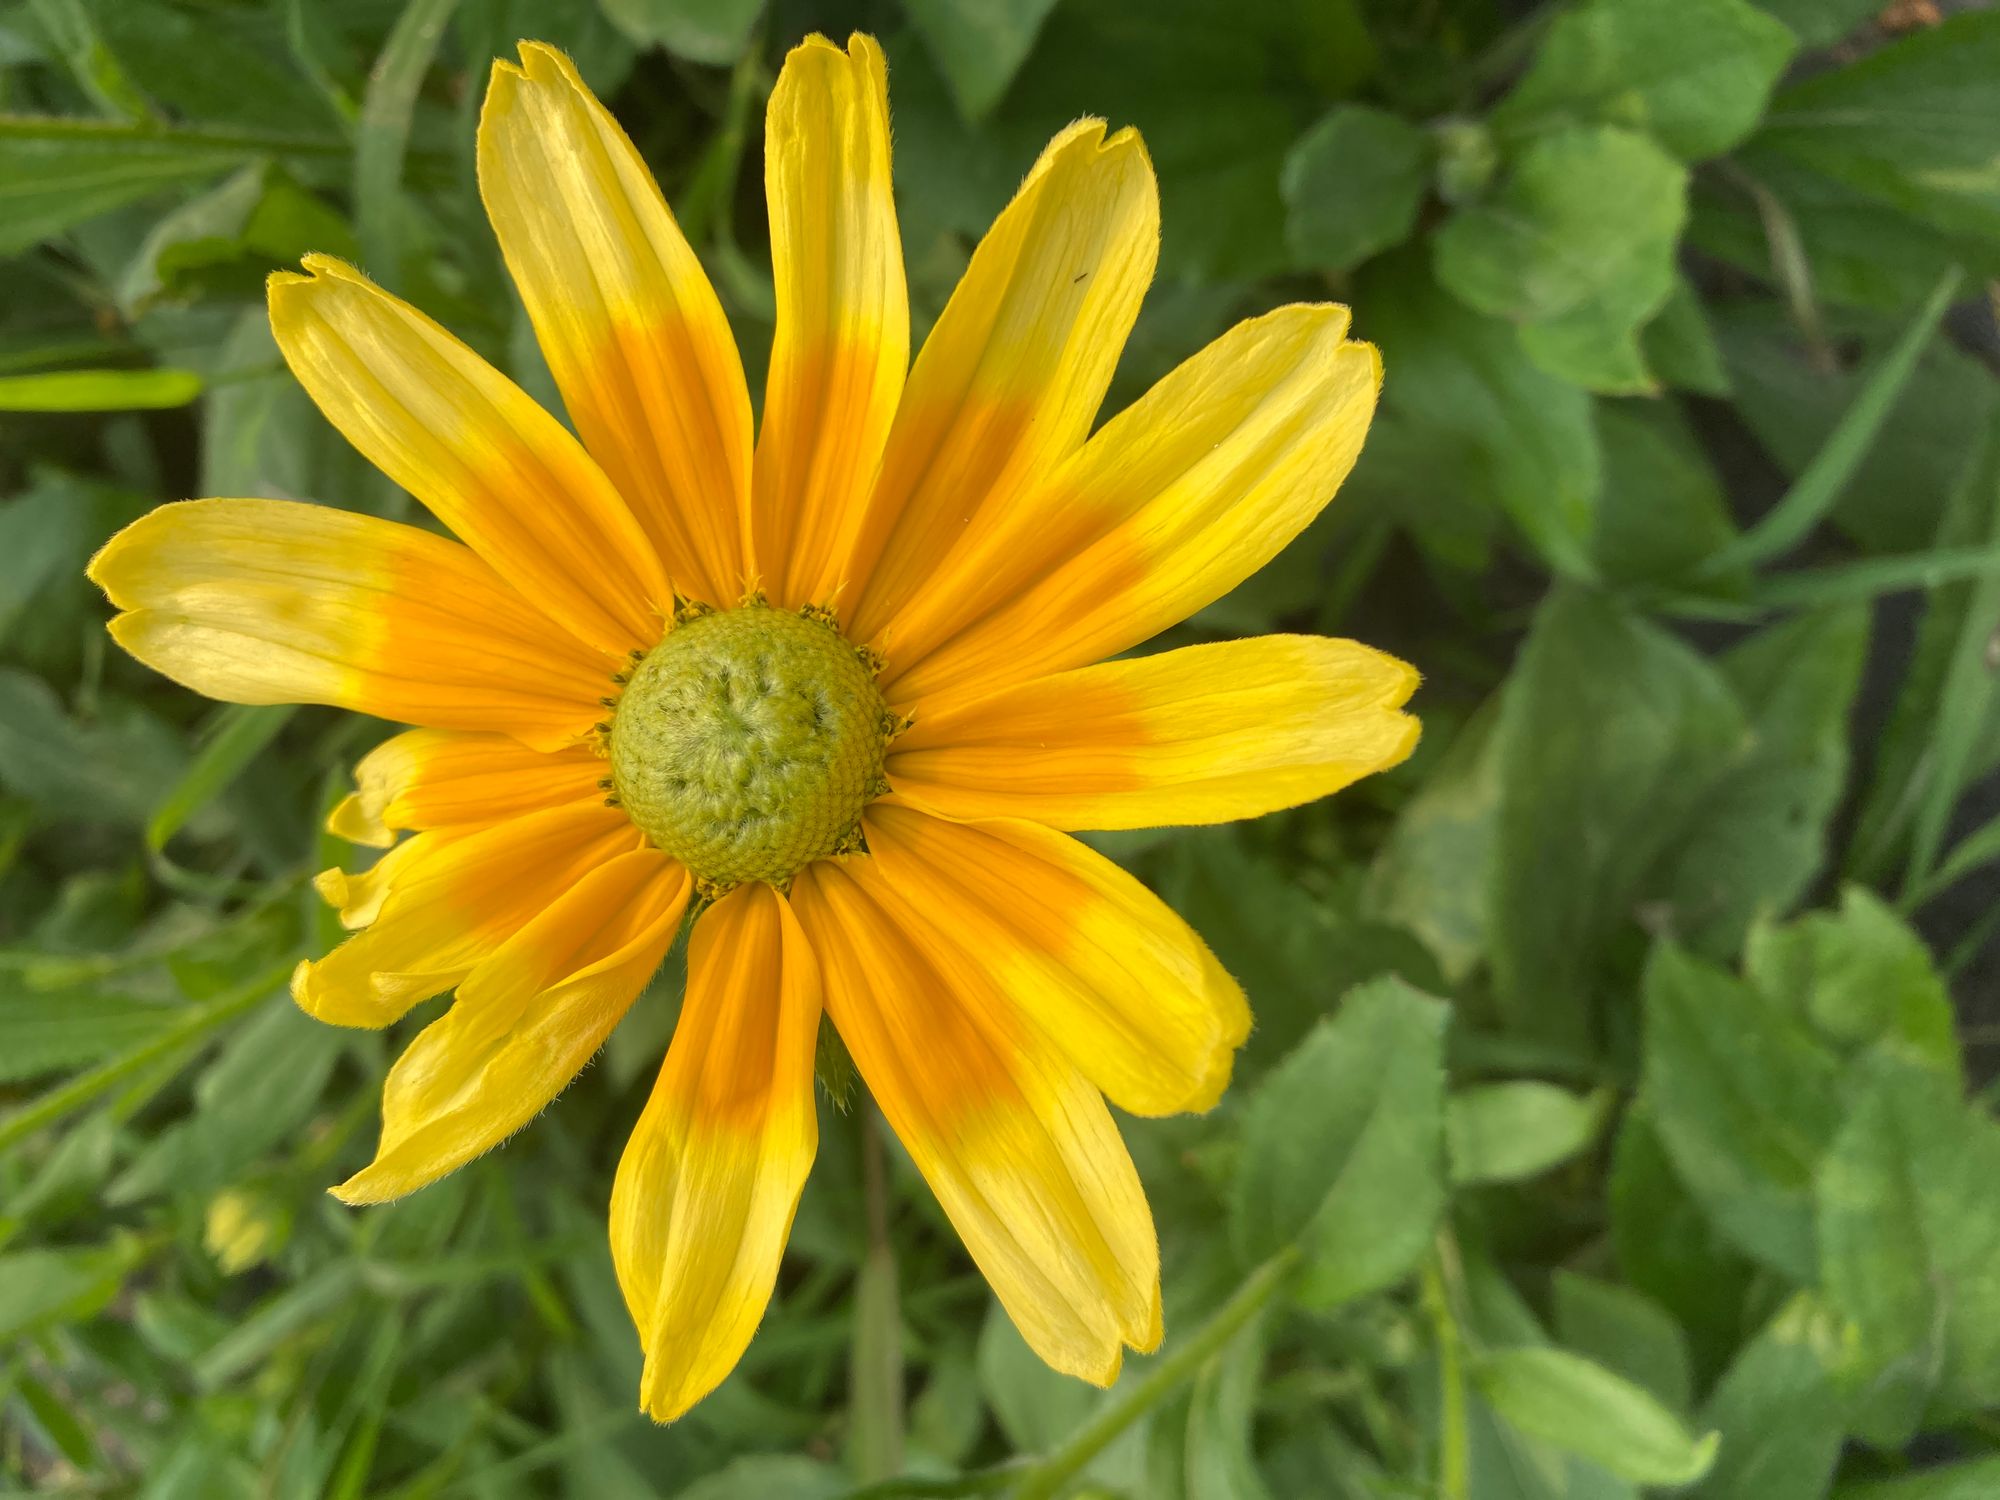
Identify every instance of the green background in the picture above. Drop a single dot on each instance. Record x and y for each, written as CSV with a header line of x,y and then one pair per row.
x,y
1613,1122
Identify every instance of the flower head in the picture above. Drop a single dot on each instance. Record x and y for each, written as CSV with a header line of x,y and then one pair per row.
x,y
841,690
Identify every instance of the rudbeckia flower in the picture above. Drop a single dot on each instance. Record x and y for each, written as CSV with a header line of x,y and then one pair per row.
x,y
841,690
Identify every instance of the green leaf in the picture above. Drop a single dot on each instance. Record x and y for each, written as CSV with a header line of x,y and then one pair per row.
x,y
1779,1412
1863,978
45,1031
1611,734
41,531
1343,1146
979,44
1582,1408
1693,74
238,734
768,1476
1662,510
1626,1332
1976,1479
220,67
703,31
43,1287
1819,22
55,173
1915,124
111,771
1909,1227
1760,836
1745,1100
1470,430
99,390
1504,1132
1680,347
1221,1461
382,133
1585,215
1353,185
1036,1407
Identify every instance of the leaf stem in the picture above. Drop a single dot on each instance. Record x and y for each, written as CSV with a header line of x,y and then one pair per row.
x,y
1044,1478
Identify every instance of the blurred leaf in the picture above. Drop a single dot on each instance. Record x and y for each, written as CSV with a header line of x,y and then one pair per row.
x,y
1679,345
1819,22
1582,1408
1611,735
1759,837
382,133
55,173
1975,1479
1353,185
768,1477
1693,74
1503,1132
1862,977
1586,213
1627,1333
1915,124
221,66
99,390
1220,1461
73,32
1343,1146
225,241
41,529
703,31
1909,1225
1745,1101
978,44
41,1287
1468,422
43,1032
238,734
1779,1413
113,771
1036,1407
1662,510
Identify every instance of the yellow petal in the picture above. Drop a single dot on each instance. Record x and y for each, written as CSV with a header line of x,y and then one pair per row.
x,y
1011,377
435,778
358,895
447,910
1171,504
1206,734
525,1022
1015,1142
474,447
272,601
706,1189
843,334
626,317
1091,957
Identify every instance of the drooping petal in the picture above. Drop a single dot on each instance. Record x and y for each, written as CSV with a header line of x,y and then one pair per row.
x,y
1012,1138
358,894
273,601
626,317
436,778
473,447
1094,960
525,1022
1011,378
1170,504
705,1192
843,335
448,910
1205,734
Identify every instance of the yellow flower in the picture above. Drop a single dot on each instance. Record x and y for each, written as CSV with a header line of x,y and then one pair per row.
x,y
838,688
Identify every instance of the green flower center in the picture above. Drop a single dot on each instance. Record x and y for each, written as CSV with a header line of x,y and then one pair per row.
x,y
748,741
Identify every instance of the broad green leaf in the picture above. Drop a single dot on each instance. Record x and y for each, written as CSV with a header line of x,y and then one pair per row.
x,y
1662,510
1353,185
1597,346
1585,214
221,67
1679,345
43,1287
111,771
1626,1332
1909,1227
99,390
1470,430
1582,1408
1343,1146
1693,74
1915,124
1862,977
1745,1100
1611,735
1779,1412
1759,838
41,530
1036,1407
703,31
1503,1132
979,44
238,734
1434,870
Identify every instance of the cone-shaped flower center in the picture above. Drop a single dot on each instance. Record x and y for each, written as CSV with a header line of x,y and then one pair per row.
x,y
747,743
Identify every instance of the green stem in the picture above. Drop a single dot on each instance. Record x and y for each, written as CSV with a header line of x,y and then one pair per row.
x,y
1454,1453
69,1097
1043,1479
382,136
876,1356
